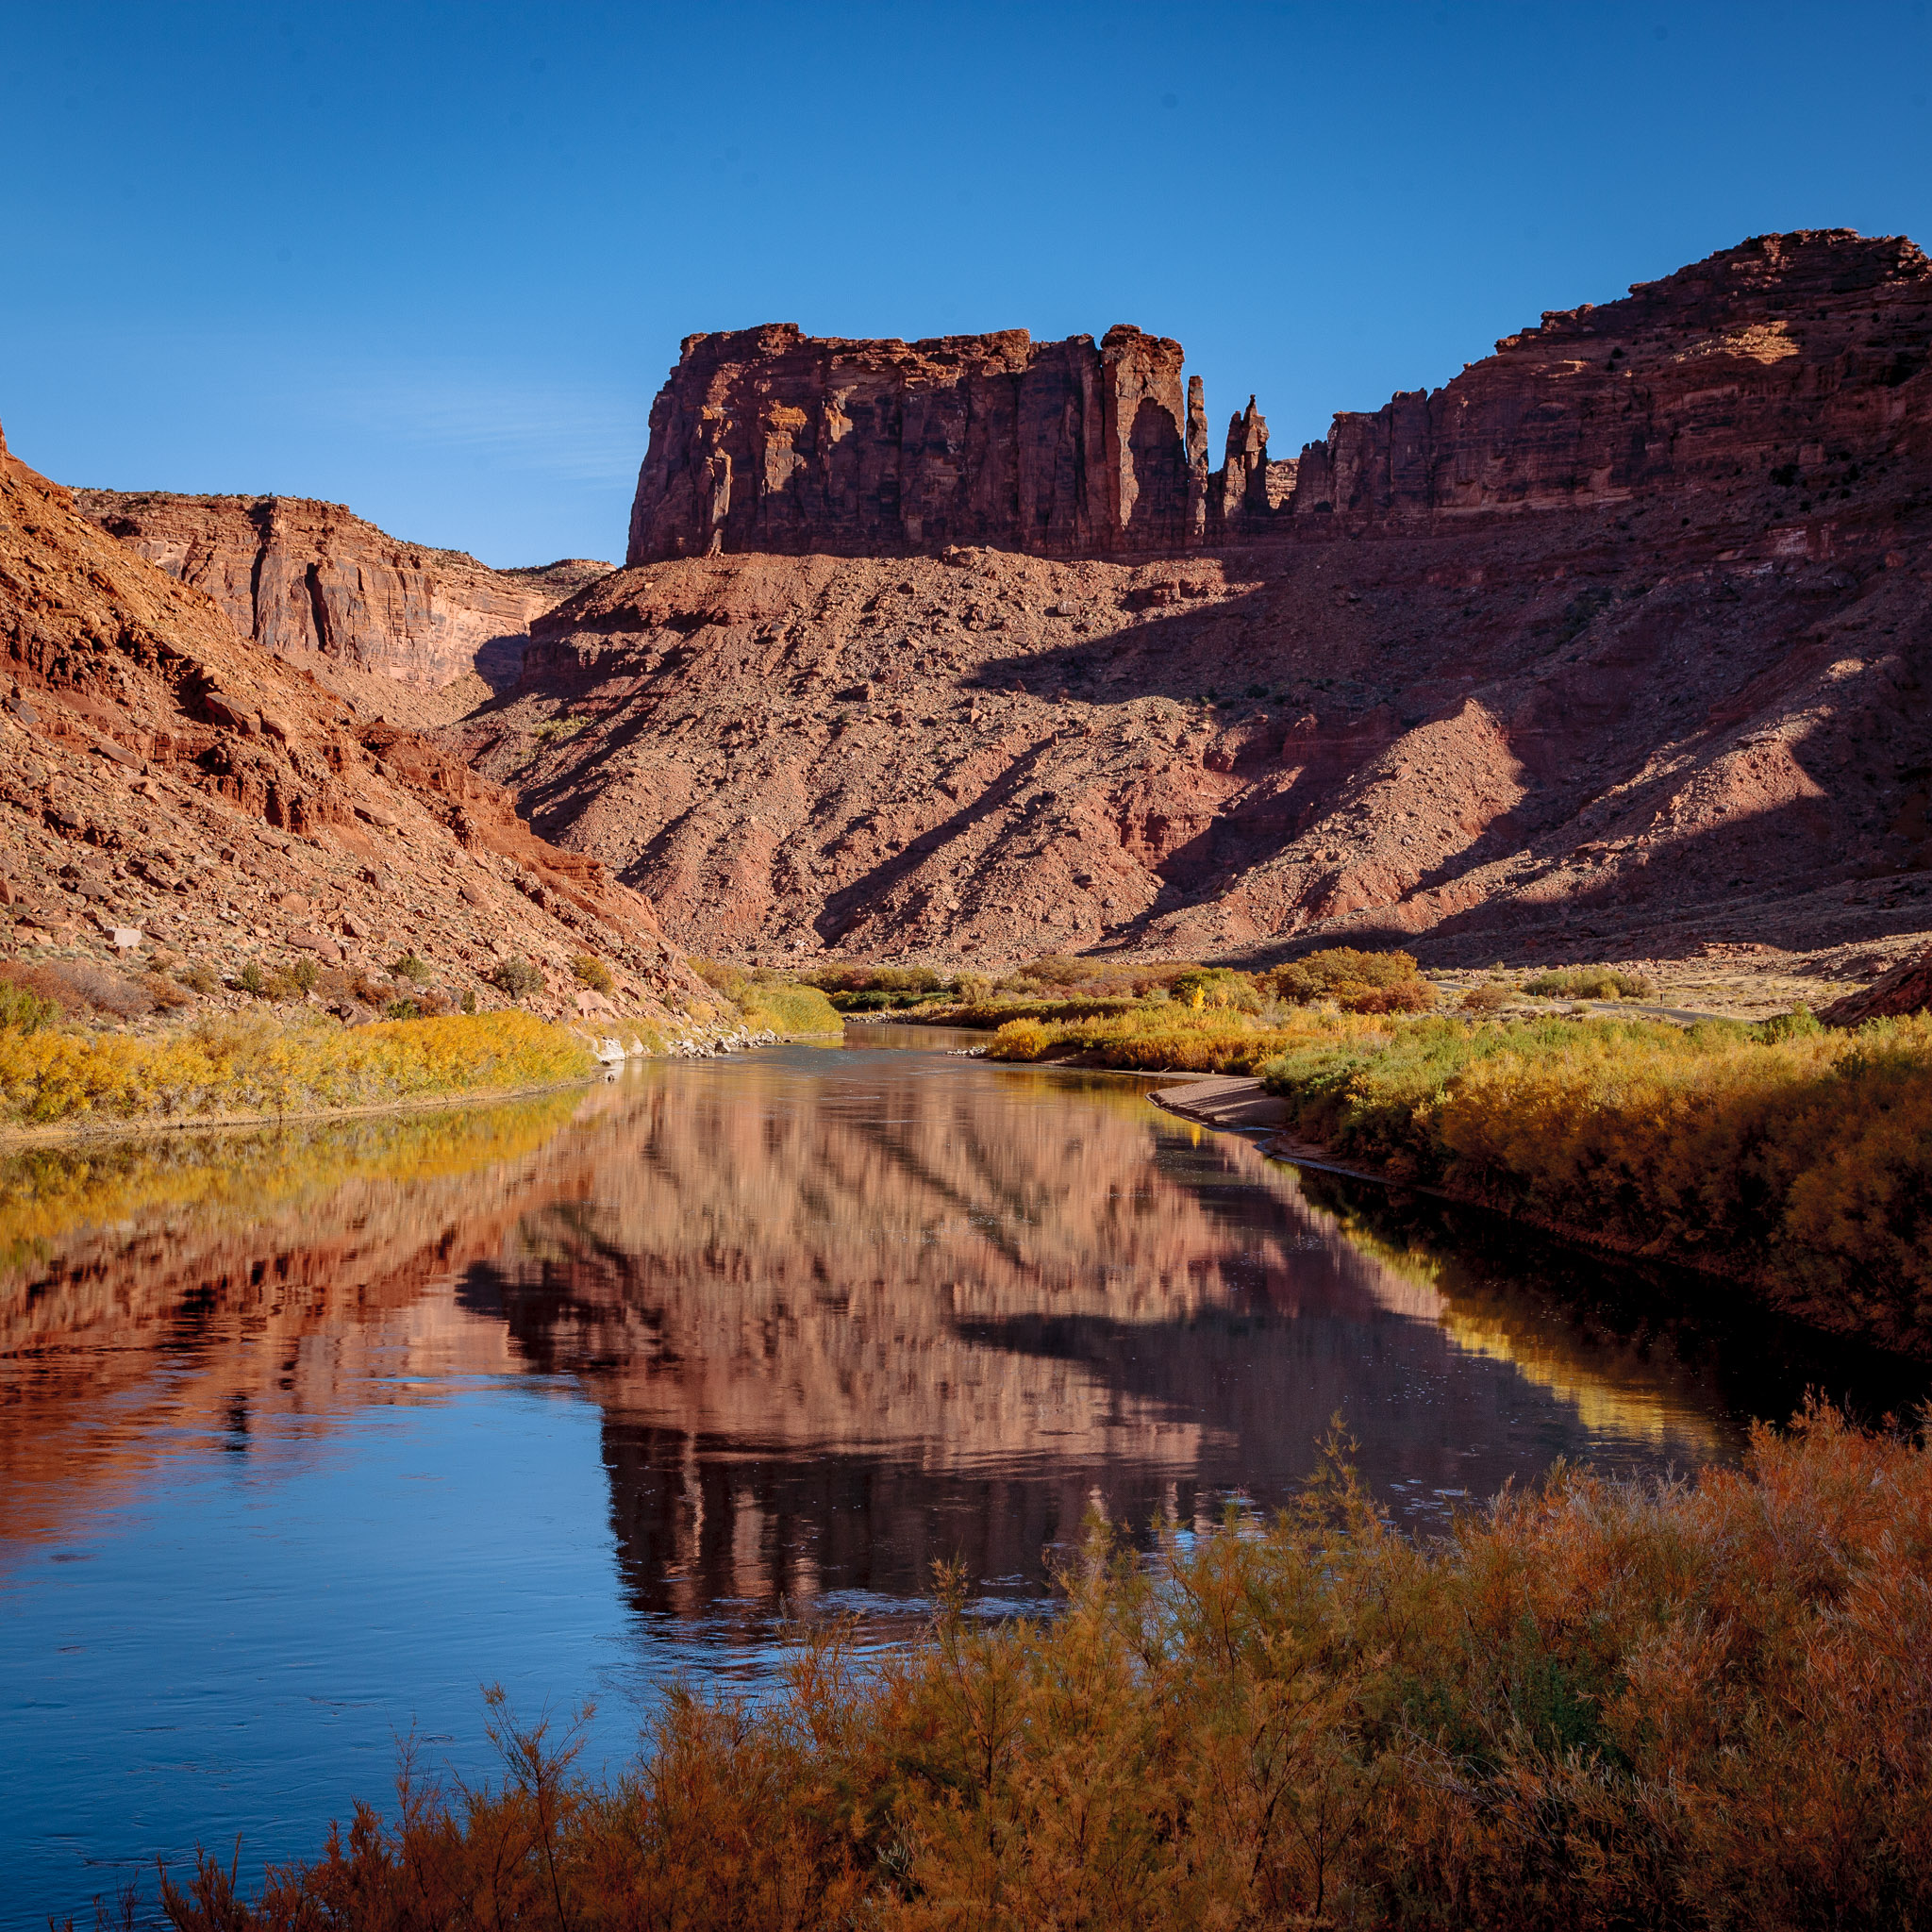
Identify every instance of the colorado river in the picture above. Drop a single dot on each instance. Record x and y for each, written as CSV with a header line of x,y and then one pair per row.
x,y
308,1436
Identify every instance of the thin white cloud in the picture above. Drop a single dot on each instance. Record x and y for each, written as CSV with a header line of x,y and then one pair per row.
x,y
569,431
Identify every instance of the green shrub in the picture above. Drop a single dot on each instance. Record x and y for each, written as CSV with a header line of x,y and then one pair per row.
x,y
722,975
775,1005
22,1012
1358,982
516,977
1202,986
417,972
1592,983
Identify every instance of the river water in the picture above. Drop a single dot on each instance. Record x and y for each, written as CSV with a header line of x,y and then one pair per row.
x,y
305,1436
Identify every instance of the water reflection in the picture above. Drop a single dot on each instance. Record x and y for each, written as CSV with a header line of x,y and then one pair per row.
x,y
337,1423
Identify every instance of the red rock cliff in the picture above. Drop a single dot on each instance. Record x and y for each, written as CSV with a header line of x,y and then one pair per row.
x,y
769,440
335,594
1787,353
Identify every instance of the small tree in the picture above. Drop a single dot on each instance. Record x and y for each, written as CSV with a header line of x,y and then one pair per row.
x,y
516,977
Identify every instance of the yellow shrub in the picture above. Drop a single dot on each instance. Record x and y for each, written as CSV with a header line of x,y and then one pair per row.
x,y
780,1007
256,1066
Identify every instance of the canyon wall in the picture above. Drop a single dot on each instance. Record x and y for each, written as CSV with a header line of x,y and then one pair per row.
x,y
1620,642
1788,352
327,591
164,776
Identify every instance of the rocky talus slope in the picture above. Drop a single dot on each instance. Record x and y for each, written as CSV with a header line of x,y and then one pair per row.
x,y
420,635
1618,643
162,776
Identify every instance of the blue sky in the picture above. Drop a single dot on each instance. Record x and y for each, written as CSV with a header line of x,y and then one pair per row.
x,y
433,261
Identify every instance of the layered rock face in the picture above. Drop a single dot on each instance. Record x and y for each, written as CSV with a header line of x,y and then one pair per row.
x,y
159,773
767,439
1797,352
1618,642
339,597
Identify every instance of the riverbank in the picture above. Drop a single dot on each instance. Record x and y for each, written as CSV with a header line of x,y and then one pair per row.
x,y
290,1061
1793,1160
1693,1704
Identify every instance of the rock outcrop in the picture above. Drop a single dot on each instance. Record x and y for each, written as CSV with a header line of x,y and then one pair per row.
x,y
767,439
337,597
162,776
1907,988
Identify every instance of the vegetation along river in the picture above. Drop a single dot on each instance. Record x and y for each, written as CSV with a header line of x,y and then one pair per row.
x,y
307,1434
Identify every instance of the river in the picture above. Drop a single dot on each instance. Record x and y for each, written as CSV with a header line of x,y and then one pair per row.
x,y
307,1434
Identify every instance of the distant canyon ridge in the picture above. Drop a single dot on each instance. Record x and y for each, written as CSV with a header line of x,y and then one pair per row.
x,y
960,650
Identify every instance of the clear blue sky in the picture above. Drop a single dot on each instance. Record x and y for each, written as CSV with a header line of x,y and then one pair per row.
x,y
434,261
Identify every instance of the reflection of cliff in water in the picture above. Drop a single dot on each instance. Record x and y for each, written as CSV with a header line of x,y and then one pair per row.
x,y
248,1288
841,1328
842,1313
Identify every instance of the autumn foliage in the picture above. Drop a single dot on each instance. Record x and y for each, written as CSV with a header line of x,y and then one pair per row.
x,y
1694,1705
263,1066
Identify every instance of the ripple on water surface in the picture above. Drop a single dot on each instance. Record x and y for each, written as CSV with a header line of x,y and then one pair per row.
x,y
306,1435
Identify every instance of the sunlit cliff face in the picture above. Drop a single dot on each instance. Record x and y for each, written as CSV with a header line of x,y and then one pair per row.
x,y
844,1314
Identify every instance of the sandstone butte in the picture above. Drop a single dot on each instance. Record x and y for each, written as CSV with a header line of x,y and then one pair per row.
x,y
957,650
163,773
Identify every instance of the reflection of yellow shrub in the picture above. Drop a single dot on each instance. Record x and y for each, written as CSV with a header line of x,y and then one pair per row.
x,y
259,1067
48,1193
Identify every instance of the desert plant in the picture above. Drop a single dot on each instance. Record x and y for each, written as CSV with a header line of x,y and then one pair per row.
x,y
166,994
21,1012
1358,982
515,976
201,977
1487,999
722,975
417,972
1591,983
771,1005
402,1009
252,979
1595,1703
270,1065
591,971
